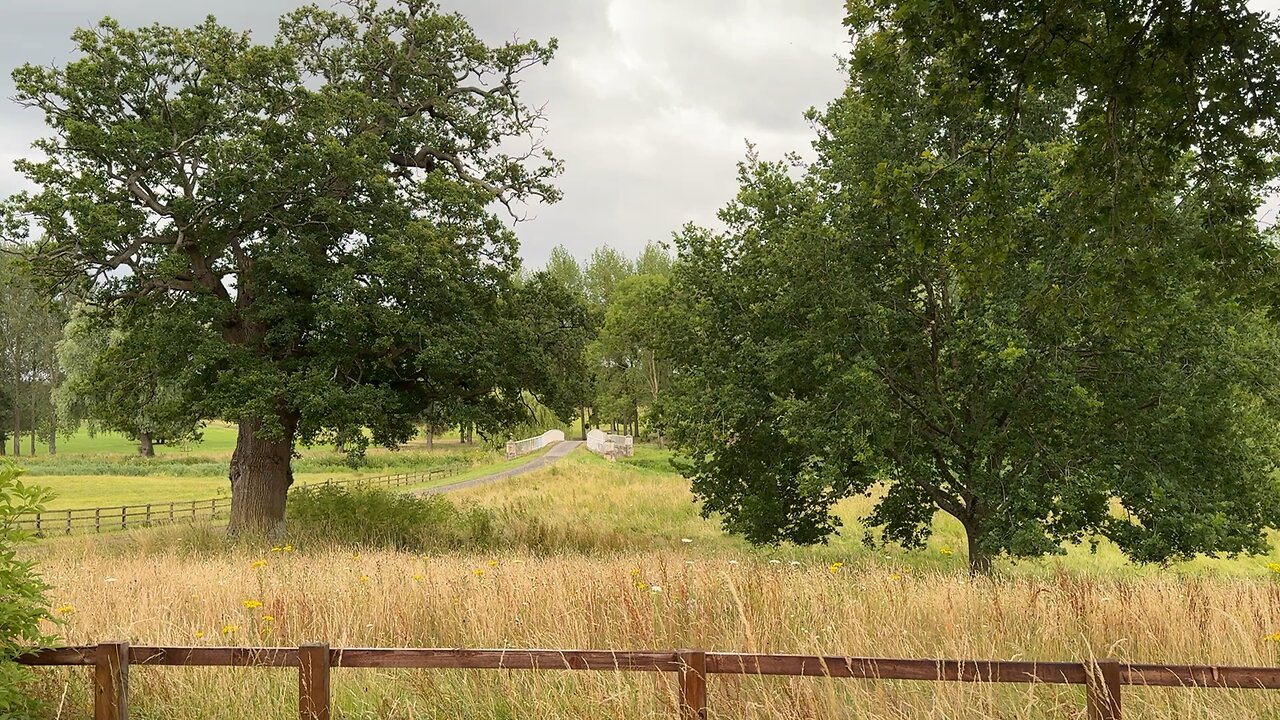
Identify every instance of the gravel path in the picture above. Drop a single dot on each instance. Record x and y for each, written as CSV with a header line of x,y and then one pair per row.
x,y
560,450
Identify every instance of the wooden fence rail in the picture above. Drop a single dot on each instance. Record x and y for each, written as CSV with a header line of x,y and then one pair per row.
x,y
1102,679
123,517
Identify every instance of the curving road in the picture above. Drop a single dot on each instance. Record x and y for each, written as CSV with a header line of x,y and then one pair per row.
x,y
555,453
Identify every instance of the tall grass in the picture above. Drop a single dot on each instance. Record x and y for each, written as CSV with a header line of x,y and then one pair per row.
x,y
587,554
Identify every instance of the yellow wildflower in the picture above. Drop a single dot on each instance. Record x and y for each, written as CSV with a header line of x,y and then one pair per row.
x,y
479,572
895,576
276,548
1274,567
493,563
835,567
287,548
364,578
259,563
946,550
66,609
198,634
355,556
251,604
417,577
1273,637
229,629
268,618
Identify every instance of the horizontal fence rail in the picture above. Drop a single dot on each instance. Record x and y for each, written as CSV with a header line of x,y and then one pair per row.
x,y
123,517
1102,679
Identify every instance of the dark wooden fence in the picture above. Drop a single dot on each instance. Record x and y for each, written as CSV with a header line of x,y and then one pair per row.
x,y
1102,679
123,517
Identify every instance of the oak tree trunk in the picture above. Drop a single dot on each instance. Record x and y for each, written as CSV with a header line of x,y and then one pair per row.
x,y
979,559
260,479
145,448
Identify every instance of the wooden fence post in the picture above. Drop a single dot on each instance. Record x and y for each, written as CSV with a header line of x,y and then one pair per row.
x,y
693,684
170,513
68,522
148,513
39,530
313,681
97,519
111,681
124,518
1102,694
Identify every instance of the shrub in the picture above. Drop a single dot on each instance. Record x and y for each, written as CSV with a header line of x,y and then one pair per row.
x,y
22,594
356,515
371,517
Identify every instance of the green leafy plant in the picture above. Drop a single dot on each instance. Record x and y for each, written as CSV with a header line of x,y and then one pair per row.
x,y
371,517
22,593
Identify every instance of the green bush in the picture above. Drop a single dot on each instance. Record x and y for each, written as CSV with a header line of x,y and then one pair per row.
x,y
22,600
373,518
356,515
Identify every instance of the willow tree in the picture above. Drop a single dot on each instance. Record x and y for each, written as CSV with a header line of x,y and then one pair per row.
x,y
321,205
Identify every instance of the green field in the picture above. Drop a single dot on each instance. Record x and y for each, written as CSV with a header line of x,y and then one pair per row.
x,y
105,469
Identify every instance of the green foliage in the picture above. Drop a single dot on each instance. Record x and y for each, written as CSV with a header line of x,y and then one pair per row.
x,y
30,326
309,221
371,517
945,306
119,377
22,595
630,370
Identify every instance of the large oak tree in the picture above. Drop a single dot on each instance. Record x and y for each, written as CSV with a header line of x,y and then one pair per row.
x,y
319,206
1022,286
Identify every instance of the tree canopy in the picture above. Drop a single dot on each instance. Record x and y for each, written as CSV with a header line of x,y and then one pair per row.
x,y
317,209
956,307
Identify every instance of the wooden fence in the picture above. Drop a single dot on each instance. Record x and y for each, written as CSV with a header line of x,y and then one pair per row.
x,y
123,517
1103,679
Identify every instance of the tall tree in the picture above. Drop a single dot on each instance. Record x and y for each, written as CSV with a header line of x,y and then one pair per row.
x,y
319,205
940,306
30,327
564,267
604,270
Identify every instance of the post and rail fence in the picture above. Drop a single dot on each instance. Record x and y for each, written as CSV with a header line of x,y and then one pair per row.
x,y
1102,679
123,517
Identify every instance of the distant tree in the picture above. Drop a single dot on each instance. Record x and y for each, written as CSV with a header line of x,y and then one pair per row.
x,y
655,259
6,411
564,267
117,377
604,270
947,307
30,327
320,205
631,369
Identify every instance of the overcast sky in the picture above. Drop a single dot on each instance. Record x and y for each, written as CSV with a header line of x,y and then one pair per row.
x,y
649,102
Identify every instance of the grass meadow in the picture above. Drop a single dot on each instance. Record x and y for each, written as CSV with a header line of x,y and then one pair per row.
x,y
105,469
590,554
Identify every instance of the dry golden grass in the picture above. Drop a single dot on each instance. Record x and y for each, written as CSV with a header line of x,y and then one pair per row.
x,y
642,588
